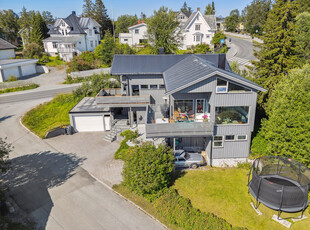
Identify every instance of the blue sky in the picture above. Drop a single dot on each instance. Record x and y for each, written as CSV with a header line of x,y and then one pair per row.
x,y
62,8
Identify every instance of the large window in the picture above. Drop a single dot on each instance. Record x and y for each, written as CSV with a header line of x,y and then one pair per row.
x,y
183,106
232,115
200,105
135,90
218,141
223,86
54,45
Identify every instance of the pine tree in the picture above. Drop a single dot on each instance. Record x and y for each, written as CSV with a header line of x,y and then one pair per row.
x,y
9,25
277,54
36,34
101,16
25,24
213,8
88,9
186,9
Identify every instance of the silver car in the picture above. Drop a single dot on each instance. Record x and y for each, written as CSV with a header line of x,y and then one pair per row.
x,y
188,160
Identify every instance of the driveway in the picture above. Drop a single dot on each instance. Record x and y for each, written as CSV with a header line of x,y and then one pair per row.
x,y
53,180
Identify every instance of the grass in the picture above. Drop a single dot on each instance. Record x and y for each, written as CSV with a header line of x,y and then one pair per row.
x,y
50,115
224,192
20,88
54,62
144,204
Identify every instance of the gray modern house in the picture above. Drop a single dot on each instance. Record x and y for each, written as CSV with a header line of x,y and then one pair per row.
x,y
195,102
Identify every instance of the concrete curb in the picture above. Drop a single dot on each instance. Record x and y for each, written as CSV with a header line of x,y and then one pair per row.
x,y
28,130
134,204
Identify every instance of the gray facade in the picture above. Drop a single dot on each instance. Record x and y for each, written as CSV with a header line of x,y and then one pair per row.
x,y
190,106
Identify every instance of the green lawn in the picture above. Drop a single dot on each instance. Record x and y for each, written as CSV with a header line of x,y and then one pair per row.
x,y
224,192
54,62
21,88
50,115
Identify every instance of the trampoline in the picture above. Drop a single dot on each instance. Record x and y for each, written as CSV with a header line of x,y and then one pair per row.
x,y
280,183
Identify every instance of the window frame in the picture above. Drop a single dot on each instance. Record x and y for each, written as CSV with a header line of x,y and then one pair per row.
x,y
197,27
54,45
136,31
161,86
216,141
203,105
234,138
193,101
153,85
248,118
143,88
91,43
237,138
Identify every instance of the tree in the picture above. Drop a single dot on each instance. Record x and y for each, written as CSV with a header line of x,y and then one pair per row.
x,y
255,16
162,30
25,24
5,149
125,21
201,49
105,50
48,17
232,21
287,130
148,169
218,36
32,50
186,9
36,33
9,25
101,16
303,36
277,54
88,9
208,10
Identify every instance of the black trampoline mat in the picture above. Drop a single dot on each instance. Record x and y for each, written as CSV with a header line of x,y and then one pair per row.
x,y
280,181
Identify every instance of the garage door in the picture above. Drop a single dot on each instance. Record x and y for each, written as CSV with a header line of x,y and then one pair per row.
x,y
11,71
88,123
28,69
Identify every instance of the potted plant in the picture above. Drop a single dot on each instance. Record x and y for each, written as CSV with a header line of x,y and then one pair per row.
x,y
205,118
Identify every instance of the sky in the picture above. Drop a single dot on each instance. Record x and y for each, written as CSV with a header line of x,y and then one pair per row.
x,y
62,8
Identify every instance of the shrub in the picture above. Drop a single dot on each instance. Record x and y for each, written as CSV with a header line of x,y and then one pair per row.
x,y
179,211
202,49
31,50
244,165
86,61
121,152
148,169
12,78
216,40
222,50
44,59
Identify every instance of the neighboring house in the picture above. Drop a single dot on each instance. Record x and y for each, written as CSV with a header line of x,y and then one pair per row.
x,y
220,25
137,35
9,66
71,36
197,29
193,102
182,17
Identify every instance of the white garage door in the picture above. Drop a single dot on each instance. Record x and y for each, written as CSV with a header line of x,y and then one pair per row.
x,y
28,69
88,123
11,71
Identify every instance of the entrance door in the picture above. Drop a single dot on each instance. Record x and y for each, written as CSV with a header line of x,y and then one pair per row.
x,y
107,122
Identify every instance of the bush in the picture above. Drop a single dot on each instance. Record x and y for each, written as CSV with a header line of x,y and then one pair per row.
x,y
58,58
216,40
222,50
122,150
148,169
179,211
44,59
244,165
201,49
31,50
12,78
86,61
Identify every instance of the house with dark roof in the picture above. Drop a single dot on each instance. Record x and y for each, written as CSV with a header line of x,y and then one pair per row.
x,y
71,36
196,28
9,66
192,102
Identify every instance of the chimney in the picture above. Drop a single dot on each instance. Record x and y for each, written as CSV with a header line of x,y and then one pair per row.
x,y
138,21
221,61
198,9
73,12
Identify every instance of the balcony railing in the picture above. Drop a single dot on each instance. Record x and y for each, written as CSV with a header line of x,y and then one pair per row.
x,y
160,125
67,50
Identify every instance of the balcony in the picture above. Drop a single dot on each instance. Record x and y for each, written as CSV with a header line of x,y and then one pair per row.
x,y
112,98
67,50
160,125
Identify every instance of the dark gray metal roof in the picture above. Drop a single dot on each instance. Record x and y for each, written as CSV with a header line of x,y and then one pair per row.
x,y
63,39
75,25
189,20
4,45
186,71
143,64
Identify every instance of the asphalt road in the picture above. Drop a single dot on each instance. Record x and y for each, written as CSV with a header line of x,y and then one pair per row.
x,y
244,48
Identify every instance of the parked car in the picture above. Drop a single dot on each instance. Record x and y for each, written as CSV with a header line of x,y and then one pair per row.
x,y
188,160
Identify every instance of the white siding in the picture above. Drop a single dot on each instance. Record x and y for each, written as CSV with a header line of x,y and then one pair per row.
x,y
7,54
133,38
11,71
28,69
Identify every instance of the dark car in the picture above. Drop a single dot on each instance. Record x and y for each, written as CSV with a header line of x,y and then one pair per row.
x,y
188,160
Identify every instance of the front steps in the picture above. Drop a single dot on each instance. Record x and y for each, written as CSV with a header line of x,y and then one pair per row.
x,y
118,126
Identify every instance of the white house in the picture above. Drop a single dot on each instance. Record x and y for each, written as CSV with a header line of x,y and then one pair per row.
x,y
9,66
71,36
197,29
137,34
